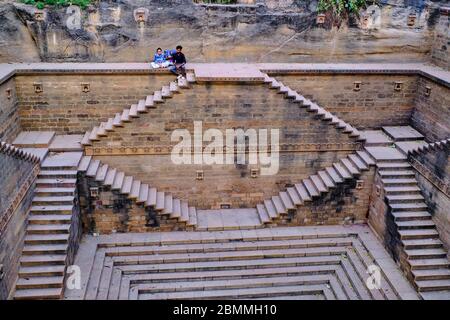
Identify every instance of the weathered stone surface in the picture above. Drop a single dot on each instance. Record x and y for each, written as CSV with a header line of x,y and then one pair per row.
x,y
267,31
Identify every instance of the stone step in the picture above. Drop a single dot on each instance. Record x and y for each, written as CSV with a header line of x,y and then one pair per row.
x,y
141,107
143,193
149,103
192,216
436,295
422,244
44,249
184,212
262,213
118,181
432,274
152,197
286,200
326,179
110,177
84,163
295,198
349,167
45,174
109,125
358,162
233,284
48,229
43,260
404,174
55,191
433,285
93,168
59,182
133,111
117,121
399,182
50,219
366,158
302,192
126,185
157,97
405,198
417,206
51,209
411,215
38,271
165,92
38,294
334,175
160,201
86,141
135,189
101,173
40,283
125,116
318,184
229,246
101,132
173,86
46,239
278,204
343,173
312,191
176,209
250,293
270,208
423,264
402,190
190,77
52,200
168,204
418,234
416,224
401,165
414,254
93,135
229,255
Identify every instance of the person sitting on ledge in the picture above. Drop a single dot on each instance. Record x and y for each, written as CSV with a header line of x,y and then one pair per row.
x,y
179,61
159,60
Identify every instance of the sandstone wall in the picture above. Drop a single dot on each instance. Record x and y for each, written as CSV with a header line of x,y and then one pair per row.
x,y
311,143
267,31
63,107
440,50
435,166
9,113
431,115
17,178
372,106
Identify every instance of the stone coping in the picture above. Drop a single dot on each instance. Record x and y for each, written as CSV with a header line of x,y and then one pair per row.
x,y
432,72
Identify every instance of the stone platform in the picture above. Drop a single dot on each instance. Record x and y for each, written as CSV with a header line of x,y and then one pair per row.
x,y
283,263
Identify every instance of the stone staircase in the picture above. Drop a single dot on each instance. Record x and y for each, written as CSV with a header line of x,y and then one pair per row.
x,y
423,251
162,202
276,209
312,107
51,226
314,263
134,110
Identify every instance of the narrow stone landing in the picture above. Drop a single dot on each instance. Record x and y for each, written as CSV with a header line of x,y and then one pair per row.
x,y
34,139
228,219
328,262
228,72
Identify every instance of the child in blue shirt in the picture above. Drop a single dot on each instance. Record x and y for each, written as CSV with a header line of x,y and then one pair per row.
x,y
160,60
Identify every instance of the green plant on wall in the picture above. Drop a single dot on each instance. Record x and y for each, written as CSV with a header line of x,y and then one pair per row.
x,y
40,4
340,10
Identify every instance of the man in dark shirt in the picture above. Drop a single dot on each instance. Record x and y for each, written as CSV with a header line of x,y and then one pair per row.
x,y
179,61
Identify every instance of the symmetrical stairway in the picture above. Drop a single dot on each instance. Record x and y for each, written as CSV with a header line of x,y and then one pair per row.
x,y
134,110
50,227
313,108
424,252
280,263
276,208
162,202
